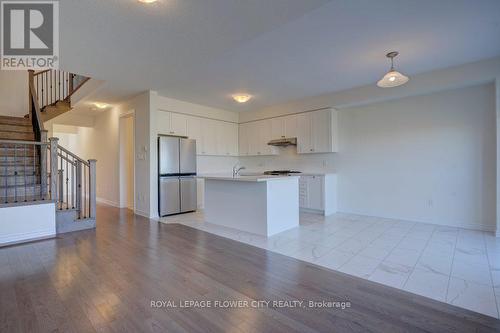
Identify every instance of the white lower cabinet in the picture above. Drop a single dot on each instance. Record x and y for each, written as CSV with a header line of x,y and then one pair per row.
x,y
317,193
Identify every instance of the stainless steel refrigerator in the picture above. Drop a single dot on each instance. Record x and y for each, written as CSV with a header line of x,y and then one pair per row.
x,y
177,175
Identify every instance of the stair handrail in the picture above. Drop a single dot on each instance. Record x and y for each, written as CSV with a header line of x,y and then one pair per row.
x,y
72,155
35,114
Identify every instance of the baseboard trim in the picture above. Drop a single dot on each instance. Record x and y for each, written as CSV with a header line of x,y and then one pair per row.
x,y
141,213
108,202
470,226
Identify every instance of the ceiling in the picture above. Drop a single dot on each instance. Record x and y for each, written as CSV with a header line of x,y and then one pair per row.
x,y
202,51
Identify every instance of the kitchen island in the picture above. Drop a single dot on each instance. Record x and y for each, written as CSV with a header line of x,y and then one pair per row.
x,y
263,205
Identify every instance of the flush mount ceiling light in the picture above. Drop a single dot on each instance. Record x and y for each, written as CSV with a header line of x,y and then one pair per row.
x,y
101,105
242,98
147,1
393,78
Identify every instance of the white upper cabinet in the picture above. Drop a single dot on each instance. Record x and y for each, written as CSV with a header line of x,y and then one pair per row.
x,y
209,137
227,139
253,138
304,143
170,123
317,132
163,122
194,132
243,139
278,128
213,137
284,127
178,124
290,124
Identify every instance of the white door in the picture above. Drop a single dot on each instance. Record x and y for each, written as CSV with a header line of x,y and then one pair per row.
x,y
265,135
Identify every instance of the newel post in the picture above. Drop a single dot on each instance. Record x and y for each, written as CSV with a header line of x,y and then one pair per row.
x,y
92,188
43,163
54,143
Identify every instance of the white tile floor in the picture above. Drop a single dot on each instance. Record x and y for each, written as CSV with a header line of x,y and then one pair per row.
x,y
457,266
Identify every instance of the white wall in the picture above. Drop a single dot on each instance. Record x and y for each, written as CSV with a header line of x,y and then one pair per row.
x,y
14,93
426,158
126,164
288,159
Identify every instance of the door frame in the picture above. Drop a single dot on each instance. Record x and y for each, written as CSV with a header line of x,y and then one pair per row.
x,y
128,114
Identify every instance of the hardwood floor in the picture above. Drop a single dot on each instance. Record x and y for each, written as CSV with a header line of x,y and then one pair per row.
x,y
105,279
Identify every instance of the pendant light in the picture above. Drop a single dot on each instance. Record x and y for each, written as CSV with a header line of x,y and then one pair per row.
x,y
393,78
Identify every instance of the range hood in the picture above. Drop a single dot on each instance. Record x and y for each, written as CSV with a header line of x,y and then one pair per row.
x,y
283,142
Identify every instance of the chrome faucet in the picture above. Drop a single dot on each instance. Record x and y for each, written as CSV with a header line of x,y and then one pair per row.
x,y
236,170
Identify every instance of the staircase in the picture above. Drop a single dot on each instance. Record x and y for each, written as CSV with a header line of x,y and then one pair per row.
x,y
35,169
54,89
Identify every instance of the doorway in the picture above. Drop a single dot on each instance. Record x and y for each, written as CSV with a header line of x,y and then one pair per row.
x,y
127,161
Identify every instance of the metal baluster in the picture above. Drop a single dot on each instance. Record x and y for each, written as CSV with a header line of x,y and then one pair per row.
x,y
38,161
15,173
67,182
88,170
49,188
73,185
24,166
34,172
6,169
84,191
46,89
60,187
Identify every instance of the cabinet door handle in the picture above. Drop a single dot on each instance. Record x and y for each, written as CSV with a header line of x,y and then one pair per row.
x,y
311,149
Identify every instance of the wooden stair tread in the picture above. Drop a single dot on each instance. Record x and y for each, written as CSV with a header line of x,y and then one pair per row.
x,y
16,128
15,121
5,135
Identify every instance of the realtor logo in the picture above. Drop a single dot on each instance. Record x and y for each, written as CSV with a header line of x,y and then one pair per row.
x,y
30,35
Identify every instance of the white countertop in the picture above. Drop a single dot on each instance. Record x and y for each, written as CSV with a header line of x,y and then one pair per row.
x,y
250,178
